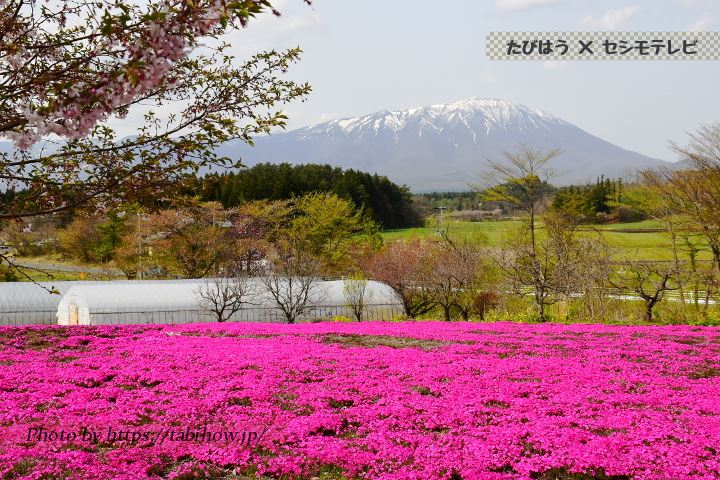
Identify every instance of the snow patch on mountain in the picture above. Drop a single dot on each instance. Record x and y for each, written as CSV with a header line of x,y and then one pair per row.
x,y
445,146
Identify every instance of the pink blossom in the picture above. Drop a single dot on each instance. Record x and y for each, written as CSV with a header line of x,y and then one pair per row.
x,y
153,52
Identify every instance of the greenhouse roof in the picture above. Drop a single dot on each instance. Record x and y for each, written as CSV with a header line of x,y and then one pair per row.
x,y
32,296
160,294
29,296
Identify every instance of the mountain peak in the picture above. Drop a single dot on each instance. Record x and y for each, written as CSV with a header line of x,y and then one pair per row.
x,y
470,114
443,146
504,108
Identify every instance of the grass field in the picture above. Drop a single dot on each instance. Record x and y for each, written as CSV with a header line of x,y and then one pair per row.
x,y
55,267
644,240
50,275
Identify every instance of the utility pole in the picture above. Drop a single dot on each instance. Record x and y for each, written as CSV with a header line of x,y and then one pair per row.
x,y
139,272
441,214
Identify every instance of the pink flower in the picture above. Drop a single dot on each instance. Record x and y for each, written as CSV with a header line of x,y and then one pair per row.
x,y
490,401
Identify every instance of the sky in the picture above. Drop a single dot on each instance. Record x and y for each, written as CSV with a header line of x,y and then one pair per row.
x,y
368,55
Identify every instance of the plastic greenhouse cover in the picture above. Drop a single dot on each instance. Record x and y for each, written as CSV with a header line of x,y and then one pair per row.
x,y
181,294
29,296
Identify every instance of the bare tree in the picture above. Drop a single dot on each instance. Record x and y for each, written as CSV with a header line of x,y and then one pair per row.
x,y
693,195
703,279
649,280
549,268
483,302
455,263
406,268
592,274
696,191
661,204
521,180
295,283
355,291
225,296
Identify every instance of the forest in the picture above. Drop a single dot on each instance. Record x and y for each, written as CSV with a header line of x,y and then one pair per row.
x,y
389,204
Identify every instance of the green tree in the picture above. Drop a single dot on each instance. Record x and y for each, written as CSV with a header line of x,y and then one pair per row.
x,y
589,203
7,273
192,242
330,228
111,233
81,238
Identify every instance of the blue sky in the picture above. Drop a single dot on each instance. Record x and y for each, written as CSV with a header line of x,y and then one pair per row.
x,y
368,55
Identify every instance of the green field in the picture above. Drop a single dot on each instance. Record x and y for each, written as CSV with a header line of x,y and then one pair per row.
x,y
48,275
55,268
644,240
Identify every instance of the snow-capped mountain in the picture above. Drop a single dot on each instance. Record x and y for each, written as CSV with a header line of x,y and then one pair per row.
x,y
444,147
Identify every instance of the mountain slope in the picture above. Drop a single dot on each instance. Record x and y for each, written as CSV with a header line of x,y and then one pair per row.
x,y
444,147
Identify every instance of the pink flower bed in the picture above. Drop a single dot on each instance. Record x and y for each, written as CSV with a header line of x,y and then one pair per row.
x,y
373,401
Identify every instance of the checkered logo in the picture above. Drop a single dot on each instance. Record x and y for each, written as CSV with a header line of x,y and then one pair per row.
x,y
644,46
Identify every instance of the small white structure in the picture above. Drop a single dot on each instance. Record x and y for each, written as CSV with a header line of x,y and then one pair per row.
x,y
179,301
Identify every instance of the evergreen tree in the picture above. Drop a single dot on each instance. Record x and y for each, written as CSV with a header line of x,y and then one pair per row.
x,y
389,204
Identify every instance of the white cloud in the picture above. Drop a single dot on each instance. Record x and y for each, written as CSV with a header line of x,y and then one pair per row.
x,y
610,20
701,24
521,4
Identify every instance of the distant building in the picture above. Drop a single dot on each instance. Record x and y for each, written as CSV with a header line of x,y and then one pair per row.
x,y
477,215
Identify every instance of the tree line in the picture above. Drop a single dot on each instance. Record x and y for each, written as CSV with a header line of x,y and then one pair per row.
x,y
599,202
389,204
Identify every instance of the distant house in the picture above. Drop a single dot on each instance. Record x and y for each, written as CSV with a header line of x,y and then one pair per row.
x,y
477,215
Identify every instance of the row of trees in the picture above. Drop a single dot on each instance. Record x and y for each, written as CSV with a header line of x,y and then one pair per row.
x,y
203,239
449,273
292,281
389,204
198,239
596,203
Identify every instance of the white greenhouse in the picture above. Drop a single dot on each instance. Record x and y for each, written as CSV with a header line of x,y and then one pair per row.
x,y
27,303
179,301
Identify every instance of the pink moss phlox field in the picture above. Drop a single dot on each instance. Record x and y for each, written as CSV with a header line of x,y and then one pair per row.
x,y
373,400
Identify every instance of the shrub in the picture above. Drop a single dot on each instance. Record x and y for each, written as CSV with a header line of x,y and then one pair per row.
x,y
7,274
483,302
